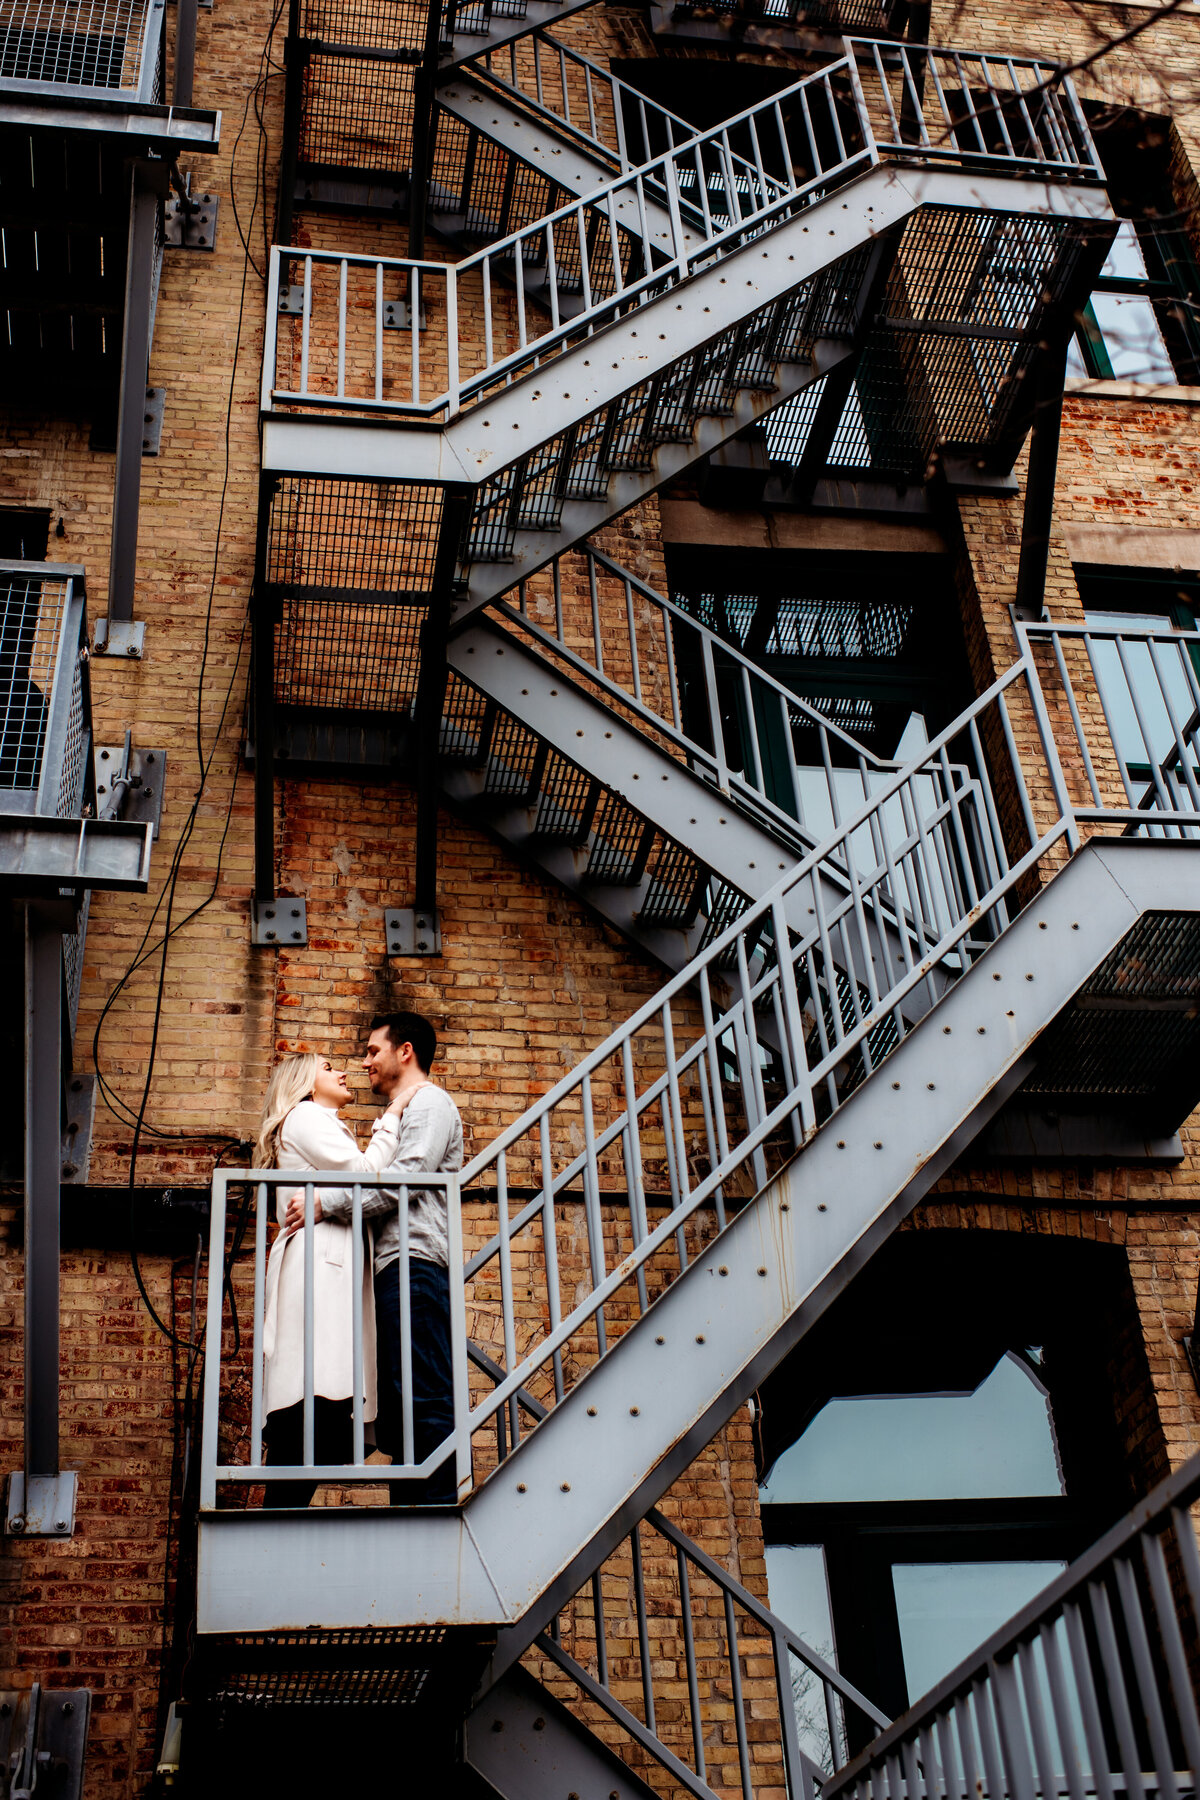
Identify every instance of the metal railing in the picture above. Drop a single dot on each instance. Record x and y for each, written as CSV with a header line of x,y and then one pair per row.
x,y
45,710
974,106
346,1340
1090,1690
610,117
736,725
98,47
690,1105
660,1617
647,230
577,268
1125,706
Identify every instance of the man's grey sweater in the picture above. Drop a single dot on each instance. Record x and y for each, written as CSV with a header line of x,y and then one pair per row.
x,y
430,1142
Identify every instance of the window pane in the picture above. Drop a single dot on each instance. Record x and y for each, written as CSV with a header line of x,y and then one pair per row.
x,y
946,1610
996,1442
798,1591
1127,321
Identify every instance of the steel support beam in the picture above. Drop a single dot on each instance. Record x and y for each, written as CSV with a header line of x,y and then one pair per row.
x,y
41,1500
263,662
424,96
147,187
431,689
1040,476
296,54
185,51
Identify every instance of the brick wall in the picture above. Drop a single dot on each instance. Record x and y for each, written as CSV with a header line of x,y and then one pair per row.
x,y
529,978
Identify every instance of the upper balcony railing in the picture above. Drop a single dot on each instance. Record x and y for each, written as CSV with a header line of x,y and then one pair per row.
x,y
649,229
45,711
89,48
695,1101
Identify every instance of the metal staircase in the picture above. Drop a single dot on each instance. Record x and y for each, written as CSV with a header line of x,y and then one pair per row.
x,y
643,763
657,1231
557,389
688,1199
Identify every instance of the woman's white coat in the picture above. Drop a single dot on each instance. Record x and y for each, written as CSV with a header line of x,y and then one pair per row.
x,y
313,1137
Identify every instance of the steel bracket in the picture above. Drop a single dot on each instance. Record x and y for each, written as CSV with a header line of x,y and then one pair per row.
x,y
40,1505
142,795
77,1136
278,923
193,226
104,435
408,932
43,1741
120,637
291,302
397,316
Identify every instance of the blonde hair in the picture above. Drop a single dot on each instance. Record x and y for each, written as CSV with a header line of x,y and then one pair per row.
x,y
291,1081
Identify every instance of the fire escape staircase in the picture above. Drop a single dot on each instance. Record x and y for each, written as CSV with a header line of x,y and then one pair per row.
x,y
761,1130
790,231
764,1122
603,756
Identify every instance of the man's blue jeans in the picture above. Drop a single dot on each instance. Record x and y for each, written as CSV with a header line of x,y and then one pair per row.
x,y
432,1378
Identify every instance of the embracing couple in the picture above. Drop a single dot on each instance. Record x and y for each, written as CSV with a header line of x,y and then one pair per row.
x,y
420,1132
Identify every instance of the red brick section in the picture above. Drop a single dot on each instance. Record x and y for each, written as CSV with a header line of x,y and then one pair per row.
x,y
529,979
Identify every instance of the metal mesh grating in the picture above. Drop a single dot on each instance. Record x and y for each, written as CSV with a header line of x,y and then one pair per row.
x,y
71,775
618,843
465,721
75,43
365,24
512,765
329,1668
1158,960
566,803
1132,1028
675,887
73,943
31,616
366,537
349,654
356,115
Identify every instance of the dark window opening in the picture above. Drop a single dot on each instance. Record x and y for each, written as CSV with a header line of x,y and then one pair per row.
x,y
872,643
1143,320
24,534
944,1441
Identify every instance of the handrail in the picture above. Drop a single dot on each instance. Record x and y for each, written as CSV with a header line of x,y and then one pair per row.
x,y
680,1600
596,256
1070,1696
259,1185
681,1611
734,1064
648,229
694,723
553,70
1126,702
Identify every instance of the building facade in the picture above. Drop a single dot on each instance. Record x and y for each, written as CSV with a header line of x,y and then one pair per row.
x,y
661,539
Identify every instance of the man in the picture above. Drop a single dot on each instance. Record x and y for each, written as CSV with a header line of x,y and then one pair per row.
x,y
399,1056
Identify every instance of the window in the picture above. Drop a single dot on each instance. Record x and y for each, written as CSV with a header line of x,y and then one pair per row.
x,y
937,1451
24,534
1143,322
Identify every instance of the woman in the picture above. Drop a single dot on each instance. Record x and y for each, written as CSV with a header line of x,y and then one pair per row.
x,y
301,1130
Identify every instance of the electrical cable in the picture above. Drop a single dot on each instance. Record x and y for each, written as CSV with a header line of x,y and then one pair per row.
x,y
205,761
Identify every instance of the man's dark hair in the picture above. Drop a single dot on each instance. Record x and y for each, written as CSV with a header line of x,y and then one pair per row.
x,y
409,1028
